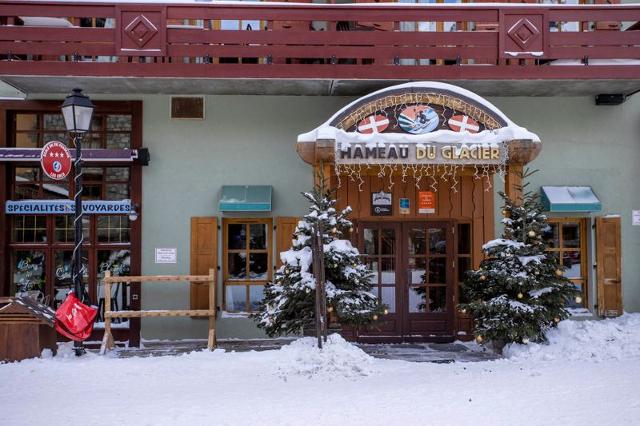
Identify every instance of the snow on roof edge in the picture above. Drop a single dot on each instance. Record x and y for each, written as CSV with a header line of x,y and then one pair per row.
x,y
326,131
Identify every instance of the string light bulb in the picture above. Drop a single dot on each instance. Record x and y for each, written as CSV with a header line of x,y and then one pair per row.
x,y
520,295
559,272
556,319
479,338
375,317
578,299
329,308
386,311
532,233
482,278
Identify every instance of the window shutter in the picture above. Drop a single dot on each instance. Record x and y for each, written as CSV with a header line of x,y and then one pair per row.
x,y
204,256
285,226
608,270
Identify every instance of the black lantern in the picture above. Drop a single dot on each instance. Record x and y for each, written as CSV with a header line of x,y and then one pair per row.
x,y
77,110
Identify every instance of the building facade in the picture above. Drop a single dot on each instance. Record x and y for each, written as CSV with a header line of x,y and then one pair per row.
x,y
209,119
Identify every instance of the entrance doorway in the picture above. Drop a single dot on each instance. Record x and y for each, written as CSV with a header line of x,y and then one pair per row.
x,y
413,275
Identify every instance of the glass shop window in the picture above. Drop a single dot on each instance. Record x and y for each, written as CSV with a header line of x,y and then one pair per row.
x,y
566,239
247,262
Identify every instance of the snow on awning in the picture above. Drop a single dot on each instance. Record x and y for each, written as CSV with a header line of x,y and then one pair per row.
x,y
245,198
570,199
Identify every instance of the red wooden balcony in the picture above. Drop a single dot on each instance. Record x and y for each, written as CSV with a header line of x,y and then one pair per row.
x,y
315,48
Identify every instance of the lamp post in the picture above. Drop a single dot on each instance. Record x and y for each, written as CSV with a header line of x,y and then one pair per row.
x,y
77,110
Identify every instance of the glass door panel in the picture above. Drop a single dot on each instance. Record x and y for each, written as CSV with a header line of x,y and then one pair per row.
x,y
429,279
378,246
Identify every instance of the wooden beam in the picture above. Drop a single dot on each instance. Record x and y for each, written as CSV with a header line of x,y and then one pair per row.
x,y
513,182
322,174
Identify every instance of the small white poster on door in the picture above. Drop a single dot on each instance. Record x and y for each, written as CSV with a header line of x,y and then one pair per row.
x,y
635,217
166,255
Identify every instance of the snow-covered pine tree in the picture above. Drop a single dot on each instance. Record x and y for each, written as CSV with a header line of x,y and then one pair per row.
x,y
520,291
289,301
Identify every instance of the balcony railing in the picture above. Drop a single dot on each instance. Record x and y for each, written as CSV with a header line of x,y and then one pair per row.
x,y
313,41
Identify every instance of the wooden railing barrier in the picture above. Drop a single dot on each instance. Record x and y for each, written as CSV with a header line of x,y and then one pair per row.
x,y
107,340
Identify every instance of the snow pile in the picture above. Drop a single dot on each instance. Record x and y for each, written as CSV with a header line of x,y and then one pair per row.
x,y
337,358
597,340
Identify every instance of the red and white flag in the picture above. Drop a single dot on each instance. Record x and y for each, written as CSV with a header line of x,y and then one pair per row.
x,y
373,124
460,123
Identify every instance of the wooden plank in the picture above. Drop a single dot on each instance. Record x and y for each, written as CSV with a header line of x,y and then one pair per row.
x,y
466,197
106,337
211,335
353,197
158,278
311,51
333,38
608,266
292,12
161,313
487,212
513,182
203,257
58,34
364,198
285,227
477,222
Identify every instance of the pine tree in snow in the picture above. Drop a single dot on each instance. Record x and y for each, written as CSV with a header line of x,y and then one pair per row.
x,y
520,291
289,302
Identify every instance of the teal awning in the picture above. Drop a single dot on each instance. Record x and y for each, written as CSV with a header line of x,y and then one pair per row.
x,y
245,198
570,199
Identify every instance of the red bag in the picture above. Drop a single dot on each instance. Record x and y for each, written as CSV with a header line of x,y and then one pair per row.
x,y
74,319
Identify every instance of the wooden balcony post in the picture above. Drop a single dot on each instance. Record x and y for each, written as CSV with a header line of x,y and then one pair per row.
x,y
322,175
513,182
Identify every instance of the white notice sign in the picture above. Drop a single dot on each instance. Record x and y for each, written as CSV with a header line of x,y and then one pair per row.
x,y
635,217
166,255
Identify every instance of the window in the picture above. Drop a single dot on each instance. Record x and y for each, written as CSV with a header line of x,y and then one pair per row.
x,y
247,262
566,239
42,245
33,130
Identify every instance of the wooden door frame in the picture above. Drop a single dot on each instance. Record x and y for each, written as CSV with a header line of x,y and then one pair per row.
x,y
449,225
397,226
402,307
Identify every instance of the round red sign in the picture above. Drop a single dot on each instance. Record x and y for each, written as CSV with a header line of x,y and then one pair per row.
x,y
55,160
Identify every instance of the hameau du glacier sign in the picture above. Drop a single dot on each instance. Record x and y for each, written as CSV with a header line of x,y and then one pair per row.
x,y
419,153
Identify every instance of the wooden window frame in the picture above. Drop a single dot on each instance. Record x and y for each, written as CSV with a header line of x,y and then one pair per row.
x,y
8,111
583,250
247,283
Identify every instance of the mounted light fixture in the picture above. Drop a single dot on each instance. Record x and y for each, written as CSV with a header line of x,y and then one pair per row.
x,y
133,214
77,110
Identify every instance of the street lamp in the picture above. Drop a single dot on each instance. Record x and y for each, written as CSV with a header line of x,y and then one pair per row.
x,y
77,110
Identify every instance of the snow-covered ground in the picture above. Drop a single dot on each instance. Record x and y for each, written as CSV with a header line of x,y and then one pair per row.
x,y
588,375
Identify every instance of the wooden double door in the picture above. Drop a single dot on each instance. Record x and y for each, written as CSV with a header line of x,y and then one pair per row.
x,y
413,265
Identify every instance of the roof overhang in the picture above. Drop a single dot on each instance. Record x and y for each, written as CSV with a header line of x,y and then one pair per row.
x,y
31,86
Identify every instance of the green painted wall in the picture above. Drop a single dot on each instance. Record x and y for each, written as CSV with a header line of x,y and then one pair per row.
x,y
598,146
243,140
251,140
